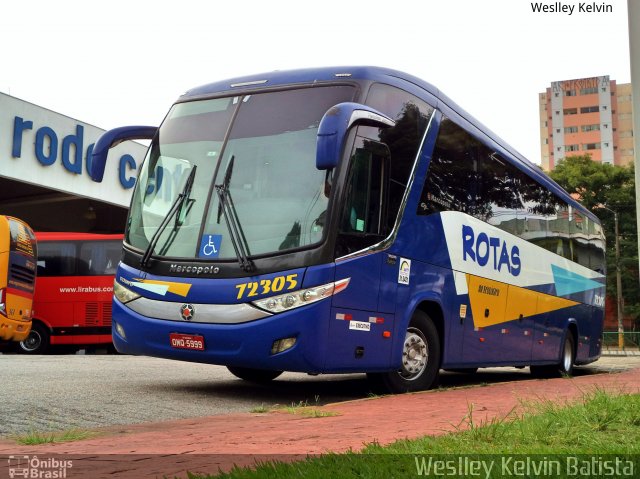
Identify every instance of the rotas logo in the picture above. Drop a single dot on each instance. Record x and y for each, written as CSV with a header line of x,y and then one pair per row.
x,y
490,251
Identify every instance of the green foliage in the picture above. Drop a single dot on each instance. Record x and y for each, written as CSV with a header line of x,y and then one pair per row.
x,y
35,437
600,185
601,423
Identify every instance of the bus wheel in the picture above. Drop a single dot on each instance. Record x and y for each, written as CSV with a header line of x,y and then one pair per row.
x,y
420,359
254,375
565,366
37,342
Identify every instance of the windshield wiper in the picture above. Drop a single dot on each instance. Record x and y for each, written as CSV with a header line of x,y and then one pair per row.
x,y
175,207
227,209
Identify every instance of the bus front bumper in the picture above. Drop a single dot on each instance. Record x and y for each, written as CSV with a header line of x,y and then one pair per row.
x,y
249,344
14,330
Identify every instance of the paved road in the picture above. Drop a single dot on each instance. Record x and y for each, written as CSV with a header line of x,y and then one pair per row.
x,y
60,392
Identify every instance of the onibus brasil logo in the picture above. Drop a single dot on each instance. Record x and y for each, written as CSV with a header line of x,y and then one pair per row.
x,y
35,468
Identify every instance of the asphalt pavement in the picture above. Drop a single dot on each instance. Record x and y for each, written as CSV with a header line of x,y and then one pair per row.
x,y
50,393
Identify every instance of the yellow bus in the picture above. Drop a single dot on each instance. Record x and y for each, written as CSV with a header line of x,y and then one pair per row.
x,y
18,263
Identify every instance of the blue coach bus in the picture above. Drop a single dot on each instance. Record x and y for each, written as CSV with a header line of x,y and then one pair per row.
x,y
349,220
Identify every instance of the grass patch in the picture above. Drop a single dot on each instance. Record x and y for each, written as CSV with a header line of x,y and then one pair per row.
x,y
303,409
261,409
34,438
599,424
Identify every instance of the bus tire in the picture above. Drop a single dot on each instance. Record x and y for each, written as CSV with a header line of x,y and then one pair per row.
x,y
37,342
565,366
420,359
254,375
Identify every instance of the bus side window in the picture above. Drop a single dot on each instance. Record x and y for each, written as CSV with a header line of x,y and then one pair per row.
x,y
453,177
363,215
56,258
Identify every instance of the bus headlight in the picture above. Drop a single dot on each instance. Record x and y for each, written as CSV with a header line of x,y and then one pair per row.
x,y
296,299
122,294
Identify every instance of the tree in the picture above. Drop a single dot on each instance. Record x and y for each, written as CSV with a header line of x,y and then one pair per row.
x,y
597,185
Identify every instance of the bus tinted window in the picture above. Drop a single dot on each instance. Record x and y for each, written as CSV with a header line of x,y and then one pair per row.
x,y
71,258
100,257
467,176
412,116
597,261
56,258
499,200
453,173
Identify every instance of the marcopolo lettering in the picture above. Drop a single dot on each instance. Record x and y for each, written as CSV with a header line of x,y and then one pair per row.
x,y
178,268
47,145
490,251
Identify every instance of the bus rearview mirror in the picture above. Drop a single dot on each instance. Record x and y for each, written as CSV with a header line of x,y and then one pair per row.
x,y
114,137
335,125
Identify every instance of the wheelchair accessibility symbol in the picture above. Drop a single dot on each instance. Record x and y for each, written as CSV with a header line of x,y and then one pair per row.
x,y
210,246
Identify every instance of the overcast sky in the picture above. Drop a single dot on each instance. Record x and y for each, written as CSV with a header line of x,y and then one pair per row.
x,y
127,62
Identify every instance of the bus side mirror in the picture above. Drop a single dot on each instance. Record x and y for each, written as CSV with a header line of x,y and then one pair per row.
x,y
114,137
335,125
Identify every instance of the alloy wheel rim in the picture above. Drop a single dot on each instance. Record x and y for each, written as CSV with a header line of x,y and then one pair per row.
x,y
415,355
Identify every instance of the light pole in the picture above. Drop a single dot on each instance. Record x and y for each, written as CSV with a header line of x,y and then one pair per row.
x,y
618,278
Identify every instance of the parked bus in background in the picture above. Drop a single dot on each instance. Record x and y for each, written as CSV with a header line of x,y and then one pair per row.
x,y
17,278
72,305
349,220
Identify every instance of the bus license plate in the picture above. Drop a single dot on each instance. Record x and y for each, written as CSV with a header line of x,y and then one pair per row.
x,y
186,341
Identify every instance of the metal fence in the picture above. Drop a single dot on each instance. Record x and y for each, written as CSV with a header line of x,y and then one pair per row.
x,y
630,342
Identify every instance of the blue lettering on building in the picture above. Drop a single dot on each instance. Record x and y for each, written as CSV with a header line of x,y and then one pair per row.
x,y
46,139
490,250
127,164
76,141
71,150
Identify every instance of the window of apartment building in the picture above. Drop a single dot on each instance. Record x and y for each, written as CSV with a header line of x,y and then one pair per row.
x,y
591,146
626,134
586,128
590,109
571,129
569,93
572,148
589,91
569,111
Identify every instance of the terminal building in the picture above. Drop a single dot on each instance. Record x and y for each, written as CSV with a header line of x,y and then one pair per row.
x,y
586,116
44,178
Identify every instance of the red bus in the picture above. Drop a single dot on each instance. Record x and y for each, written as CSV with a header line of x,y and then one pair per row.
x,y
74,288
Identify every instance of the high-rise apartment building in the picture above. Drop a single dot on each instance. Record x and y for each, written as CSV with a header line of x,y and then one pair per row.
x,y
586,116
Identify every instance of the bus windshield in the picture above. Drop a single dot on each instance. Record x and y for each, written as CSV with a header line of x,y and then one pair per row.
x,y
261,150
